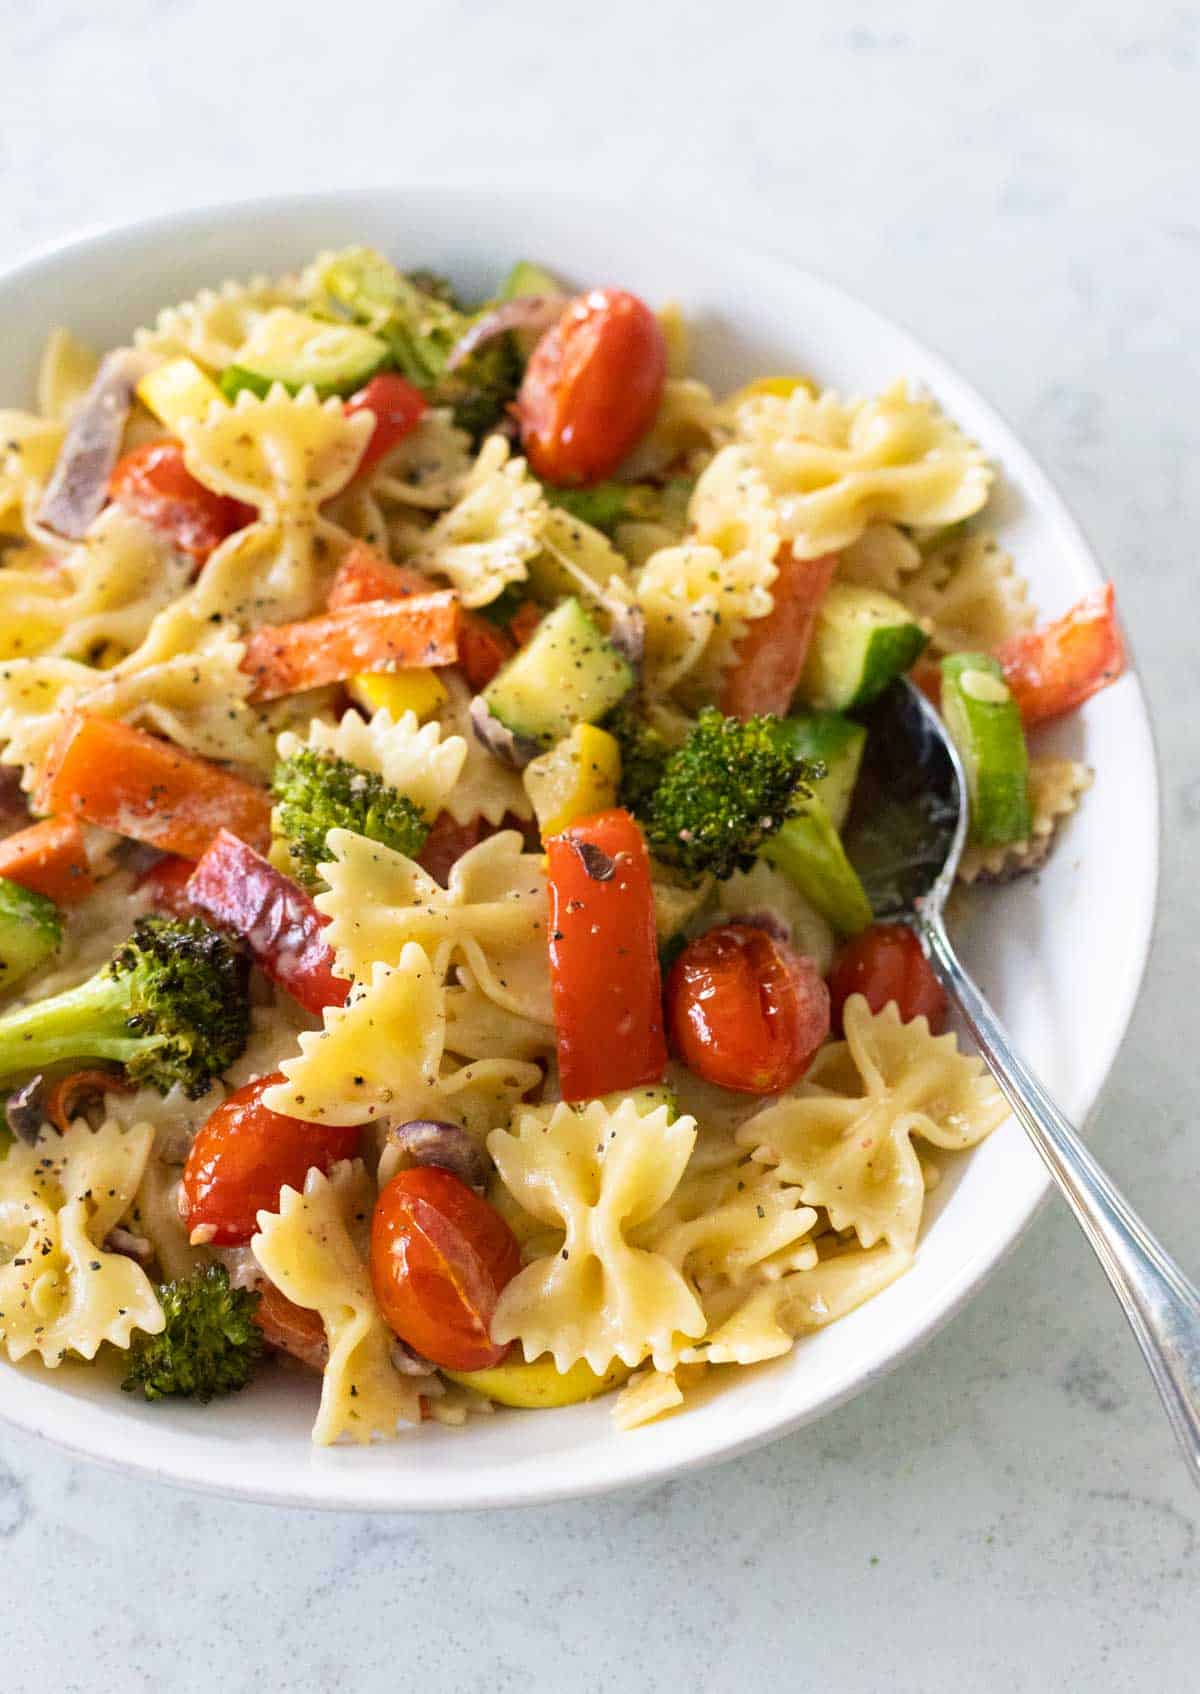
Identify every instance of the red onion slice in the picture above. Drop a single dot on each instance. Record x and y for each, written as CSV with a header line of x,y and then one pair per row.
x,y
429,1141
76,493
531,311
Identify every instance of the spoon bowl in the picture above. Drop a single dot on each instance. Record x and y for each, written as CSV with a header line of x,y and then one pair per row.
x,y
905,836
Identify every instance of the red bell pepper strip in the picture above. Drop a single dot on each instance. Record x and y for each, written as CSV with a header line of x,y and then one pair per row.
x,y
48,858
770,656
235,888
365,574
146,788
1056,668
378,635
165,884
604,971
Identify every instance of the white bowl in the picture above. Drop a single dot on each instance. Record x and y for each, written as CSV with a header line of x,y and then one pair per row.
x,y
1061,955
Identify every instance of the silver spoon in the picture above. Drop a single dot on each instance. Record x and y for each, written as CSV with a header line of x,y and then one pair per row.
x,y
908,854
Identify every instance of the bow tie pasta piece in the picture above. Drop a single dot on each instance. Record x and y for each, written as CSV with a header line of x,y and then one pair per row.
x,y
381,1050
488,536
285,455
970,596
382,1054
844,1134
834,465
307,1248
749,1322
492,917
67,370
427,469
60,1290
216,323
101,594
485,788
597,1174
196,698
689,427
883,557
727,1224
413,759
477,1028
29,447
1056,787
698,597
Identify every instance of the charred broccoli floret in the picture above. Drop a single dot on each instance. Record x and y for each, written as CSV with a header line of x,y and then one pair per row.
x,y
209,1345
316,792
644,754
172,1006
419,319
721,795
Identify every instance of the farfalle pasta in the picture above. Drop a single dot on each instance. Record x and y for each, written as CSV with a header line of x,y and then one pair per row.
x,y
441,921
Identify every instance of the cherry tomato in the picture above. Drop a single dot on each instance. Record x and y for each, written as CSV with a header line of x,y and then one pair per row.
x,y
746,1011
244,1154
398,408
439,1258
1053,669
592,387
886,963
155,485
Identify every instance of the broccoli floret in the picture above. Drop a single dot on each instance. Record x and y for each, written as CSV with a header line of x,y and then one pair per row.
x,y
722,795
172,1005
644,754
209,1345
421,322
316,792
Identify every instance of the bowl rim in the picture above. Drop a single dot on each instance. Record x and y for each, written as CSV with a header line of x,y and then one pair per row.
x,y
320,1489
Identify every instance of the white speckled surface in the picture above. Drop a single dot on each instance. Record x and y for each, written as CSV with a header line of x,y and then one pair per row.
x,y
1018,184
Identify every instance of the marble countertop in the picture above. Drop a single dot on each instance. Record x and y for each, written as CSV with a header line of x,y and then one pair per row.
x,y
1017,183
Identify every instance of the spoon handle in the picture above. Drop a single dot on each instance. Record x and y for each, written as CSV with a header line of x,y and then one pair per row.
x,y
1162,1306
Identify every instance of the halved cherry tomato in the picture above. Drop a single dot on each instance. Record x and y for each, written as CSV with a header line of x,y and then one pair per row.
x,y
604,975
886,963
398,408
1056,668
244,1154
440,1256
770,656
592,387
154,483
745,1010
165,882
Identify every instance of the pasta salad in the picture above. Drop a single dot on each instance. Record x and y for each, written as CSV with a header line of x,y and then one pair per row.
x,y
432,949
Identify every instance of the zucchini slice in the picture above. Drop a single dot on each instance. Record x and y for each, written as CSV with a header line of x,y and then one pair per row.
x,y
30,932
985,725
299,351
569,673
838,744
862,640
